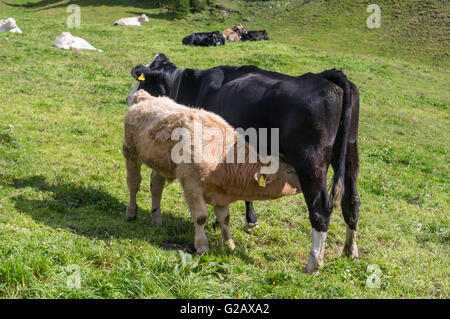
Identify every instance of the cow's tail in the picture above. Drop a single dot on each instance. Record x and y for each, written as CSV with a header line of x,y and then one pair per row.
x,y
337,188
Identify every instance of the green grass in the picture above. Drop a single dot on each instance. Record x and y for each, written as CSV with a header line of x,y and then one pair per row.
x,y
62,176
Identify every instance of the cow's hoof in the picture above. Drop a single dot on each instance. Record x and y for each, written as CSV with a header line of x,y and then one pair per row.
x,y
157,223
350,248
202,250
230,243
313,265
351,251
131,218
201,246
131,213
250,226
156,218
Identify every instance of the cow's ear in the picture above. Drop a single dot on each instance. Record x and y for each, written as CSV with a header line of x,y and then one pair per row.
x,y
141,72
216,78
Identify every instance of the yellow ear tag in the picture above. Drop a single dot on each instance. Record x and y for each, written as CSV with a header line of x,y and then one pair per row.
x,y
262,182
142,77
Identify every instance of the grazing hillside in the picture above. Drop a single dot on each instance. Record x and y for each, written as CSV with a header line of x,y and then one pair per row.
x,y
63,188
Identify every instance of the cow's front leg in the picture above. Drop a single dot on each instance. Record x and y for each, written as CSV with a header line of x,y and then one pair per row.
x,y
156,188
199,213
134,183
223,216
250,215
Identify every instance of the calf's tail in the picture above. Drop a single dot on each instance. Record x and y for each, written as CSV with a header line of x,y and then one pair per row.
x,y
128,146
337,188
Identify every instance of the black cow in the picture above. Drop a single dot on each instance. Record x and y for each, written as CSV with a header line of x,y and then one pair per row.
x,y
255,36
317,116
204,39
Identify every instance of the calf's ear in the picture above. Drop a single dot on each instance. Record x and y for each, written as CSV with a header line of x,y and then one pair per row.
x,y
261,179
141,72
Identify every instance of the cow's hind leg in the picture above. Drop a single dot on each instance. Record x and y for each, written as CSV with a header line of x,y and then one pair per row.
x,y
134,183
156,188
223,216
199,213
350,200
314,187
250,215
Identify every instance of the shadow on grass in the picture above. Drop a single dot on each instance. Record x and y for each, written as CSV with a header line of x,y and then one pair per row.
x,y
160,15
143,4
93,213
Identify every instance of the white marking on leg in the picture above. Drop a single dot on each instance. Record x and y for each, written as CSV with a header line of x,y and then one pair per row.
x,y
223,217
351,249
315,261
230,243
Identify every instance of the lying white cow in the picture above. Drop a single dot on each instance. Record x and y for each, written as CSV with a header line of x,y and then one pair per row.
x,y
133,21
66,41
9,25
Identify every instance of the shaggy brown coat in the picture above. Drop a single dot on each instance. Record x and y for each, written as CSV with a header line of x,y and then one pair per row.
x,y
148,129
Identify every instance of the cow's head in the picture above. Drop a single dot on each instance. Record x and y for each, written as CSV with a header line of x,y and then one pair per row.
x,y
155,77
216,38
8,24
239,29
143,18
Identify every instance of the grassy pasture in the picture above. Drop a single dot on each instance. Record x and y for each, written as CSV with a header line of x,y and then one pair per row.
x,y
62,176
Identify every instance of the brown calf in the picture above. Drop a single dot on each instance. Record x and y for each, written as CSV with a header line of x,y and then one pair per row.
x,y
234,34
149,128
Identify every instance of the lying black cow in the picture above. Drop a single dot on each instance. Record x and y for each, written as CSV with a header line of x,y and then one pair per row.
x,y
317,116
255,36
204,39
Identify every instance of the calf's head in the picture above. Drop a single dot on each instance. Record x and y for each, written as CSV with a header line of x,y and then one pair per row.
x,y
155,77
239,29
282,183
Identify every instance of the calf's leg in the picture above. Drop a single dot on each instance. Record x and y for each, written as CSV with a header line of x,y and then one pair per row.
x,y
223,216
156,188
134,183
199,213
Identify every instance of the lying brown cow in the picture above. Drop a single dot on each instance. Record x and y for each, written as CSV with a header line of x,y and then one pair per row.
x,y
149,129
234,34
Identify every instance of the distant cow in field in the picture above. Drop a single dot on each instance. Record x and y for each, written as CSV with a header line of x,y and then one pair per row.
x,y
9,25
133,21
149,129
67,41
317,115
255,36
204,39
235,33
